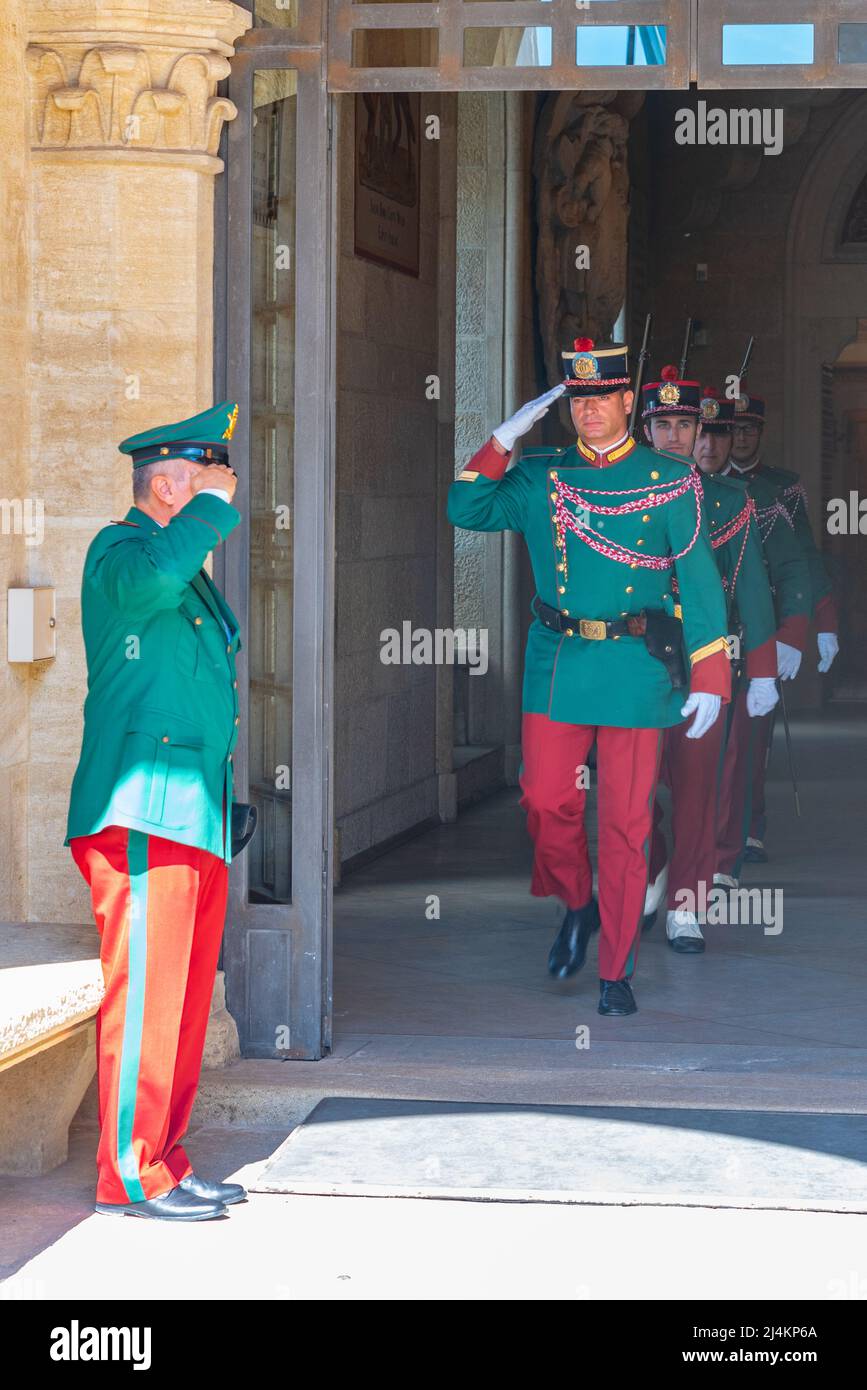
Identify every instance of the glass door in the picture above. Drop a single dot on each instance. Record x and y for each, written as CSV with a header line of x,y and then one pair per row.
x,y
279,566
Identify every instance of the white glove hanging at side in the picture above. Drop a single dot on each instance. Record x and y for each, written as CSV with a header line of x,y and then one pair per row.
x,y
762,695
828,649
525,418
706,707
788,661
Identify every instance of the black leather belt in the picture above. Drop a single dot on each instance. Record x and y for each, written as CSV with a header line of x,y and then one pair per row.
x,y
593,629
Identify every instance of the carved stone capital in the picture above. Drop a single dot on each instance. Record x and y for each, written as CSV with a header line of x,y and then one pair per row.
x,y
138,76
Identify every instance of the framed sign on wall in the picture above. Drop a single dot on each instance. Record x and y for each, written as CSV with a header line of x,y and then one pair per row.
x,y
387,178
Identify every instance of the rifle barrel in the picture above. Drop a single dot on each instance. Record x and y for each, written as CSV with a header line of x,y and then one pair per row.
x,y
642,359
684,356
746,362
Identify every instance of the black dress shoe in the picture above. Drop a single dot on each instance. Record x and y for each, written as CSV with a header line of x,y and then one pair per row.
x,y
686,945
615,997
648,921
174,1205
225,1192
570,947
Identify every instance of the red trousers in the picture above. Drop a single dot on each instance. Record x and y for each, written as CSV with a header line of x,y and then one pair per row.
x,y
690,769
627,765
760,765
743,768
160,909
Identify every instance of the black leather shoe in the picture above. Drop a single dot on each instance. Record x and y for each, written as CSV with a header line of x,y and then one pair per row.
x,y
648,921
686,945
174,1205
615,997
570,947
225,1192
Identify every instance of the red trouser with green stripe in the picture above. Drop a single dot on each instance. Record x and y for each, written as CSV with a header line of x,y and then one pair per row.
x,y
160,909
690,768
627,766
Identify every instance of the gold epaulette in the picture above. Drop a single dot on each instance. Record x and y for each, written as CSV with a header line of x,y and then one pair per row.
x,y
719,644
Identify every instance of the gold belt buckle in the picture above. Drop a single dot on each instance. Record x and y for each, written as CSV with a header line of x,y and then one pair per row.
x,y
592,628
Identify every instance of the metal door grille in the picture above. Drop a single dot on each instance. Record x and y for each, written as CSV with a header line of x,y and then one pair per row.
x,y
668,44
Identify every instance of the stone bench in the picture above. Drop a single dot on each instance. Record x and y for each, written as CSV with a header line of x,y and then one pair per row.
x,y
50,990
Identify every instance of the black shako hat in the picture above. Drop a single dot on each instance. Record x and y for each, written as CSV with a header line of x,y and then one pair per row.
x,y
595,371
716,413
749,407
671,395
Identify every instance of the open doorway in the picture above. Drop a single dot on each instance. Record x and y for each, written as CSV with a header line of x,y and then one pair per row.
x,y
436,934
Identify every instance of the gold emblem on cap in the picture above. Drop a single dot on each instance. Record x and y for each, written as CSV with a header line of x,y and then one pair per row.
x,y
230,428
742,404
669,394
584,365
709,408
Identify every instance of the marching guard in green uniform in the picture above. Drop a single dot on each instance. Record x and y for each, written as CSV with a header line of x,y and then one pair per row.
x,y
789,575
676,413
150,816
609,525
748,460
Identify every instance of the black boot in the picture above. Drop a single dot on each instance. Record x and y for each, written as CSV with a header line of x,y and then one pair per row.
x,y
570,947
615,997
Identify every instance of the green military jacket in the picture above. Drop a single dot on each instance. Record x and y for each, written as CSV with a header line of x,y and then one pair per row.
x,y
161,713
794,500
740,558
788,568
569,677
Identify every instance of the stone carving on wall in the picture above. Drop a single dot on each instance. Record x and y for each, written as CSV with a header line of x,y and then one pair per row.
x,y
582,199
855,222
114,102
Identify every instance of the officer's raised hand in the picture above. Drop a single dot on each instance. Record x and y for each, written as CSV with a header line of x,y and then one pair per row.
x,y
525,418
706,708
215,475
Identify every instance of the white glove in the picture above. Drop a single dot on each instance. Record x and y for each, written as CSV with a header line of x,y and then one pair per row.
x,y
828,649
762,695
788,661
525,418
706,708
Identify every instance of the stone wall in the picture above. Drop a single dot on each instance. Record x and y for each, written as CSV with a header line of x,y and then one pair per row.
x,y
15,557
479,403
388,452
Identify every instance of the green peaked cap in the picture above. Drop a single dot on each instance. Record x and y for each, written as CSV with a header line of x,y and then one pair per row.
x,y
203,437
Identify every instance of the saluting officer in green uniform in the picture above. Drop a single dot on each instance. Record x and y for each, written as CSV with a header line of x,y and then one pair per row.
x,y
150,815
608,523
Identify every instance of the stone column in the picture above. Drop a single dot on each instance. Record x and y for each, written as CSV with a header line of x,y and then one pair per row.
x,y
14,487
125,123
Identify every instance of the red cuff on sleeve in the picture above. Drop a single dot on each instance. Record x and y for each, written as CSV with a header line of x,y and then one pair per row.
x,y
825,616
489,462
793,631
762,661
712,676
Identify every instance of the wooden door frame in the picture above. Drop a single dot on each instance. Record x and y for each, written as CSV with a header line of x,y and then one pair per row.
x,y
277,957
